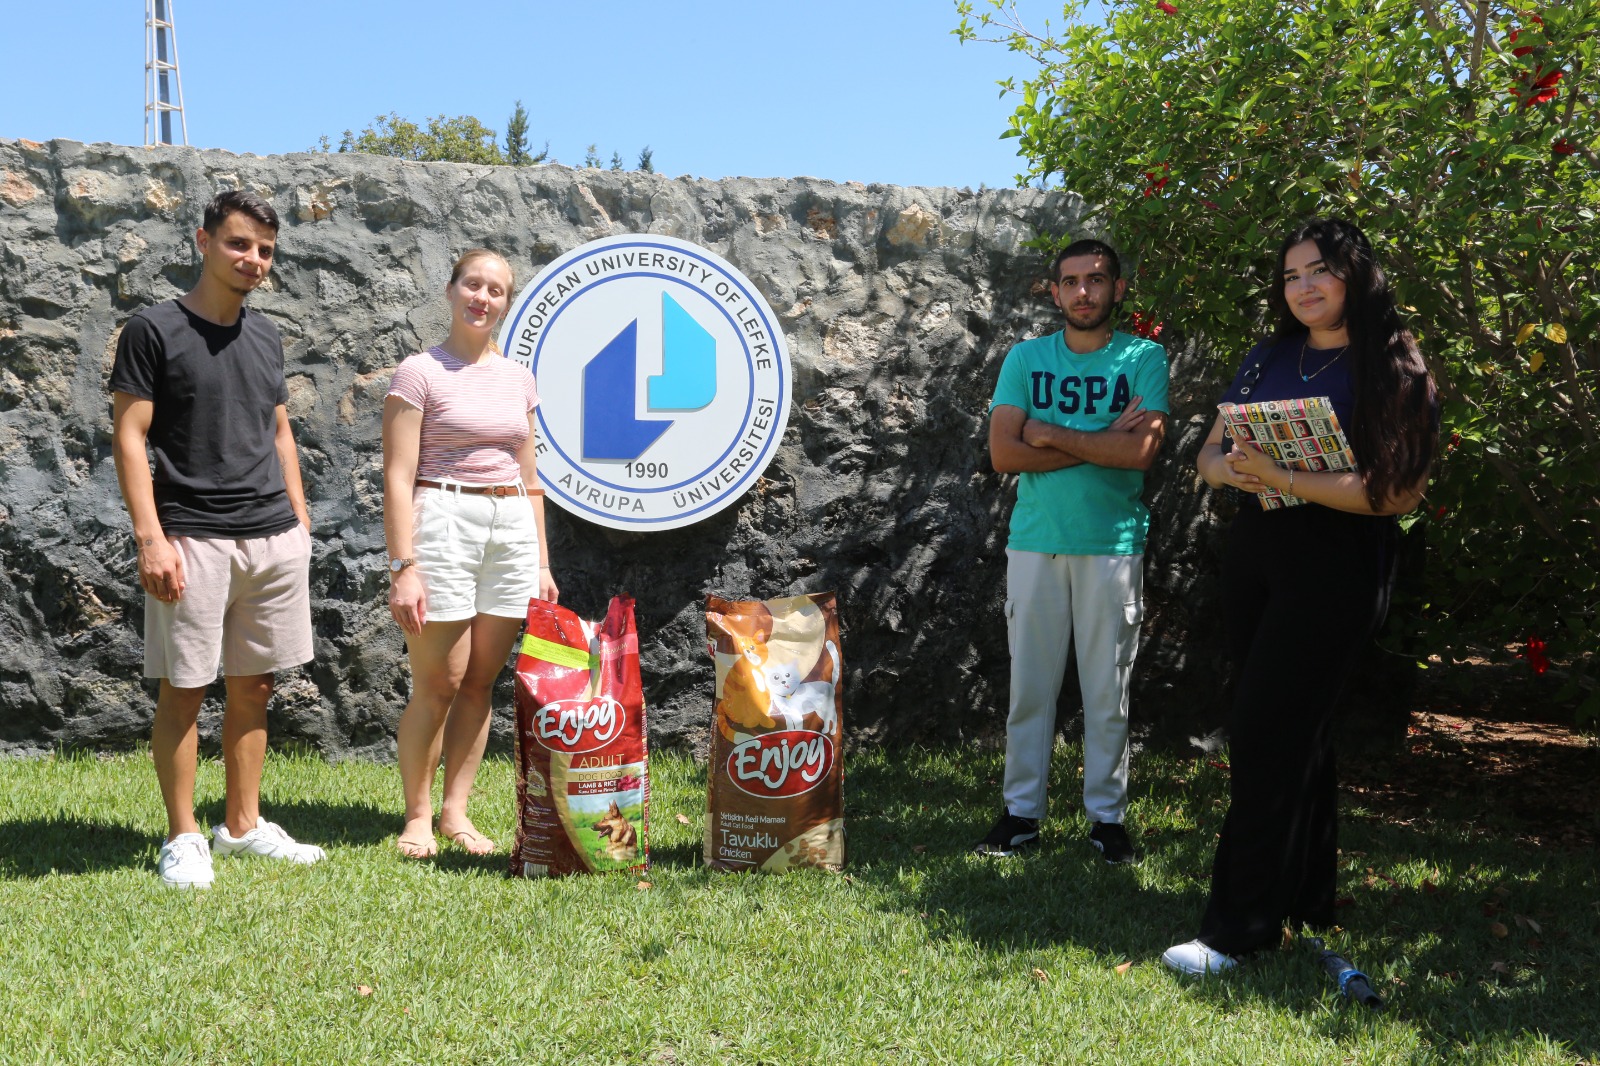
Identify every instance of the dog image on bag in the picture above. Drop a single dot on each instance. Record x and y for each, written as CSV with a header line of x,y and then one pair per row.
x,y
775,797
622,840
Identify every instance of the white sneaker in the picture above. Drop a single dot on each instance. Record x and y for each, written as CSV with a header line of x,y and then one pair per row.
x,y
267,840
1197,959
186,862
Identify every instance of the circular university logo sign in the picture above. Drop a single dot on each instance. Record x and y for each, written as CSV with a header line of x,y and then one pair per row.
x,y
664,381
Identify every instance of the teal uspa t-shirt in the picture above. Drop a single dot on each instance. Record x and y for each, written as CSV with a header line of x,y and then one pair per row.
x,y
1084,509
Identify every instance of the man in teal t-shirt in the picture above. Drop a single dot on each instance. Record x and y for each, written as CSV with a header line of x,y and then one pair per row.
x,y
1080,416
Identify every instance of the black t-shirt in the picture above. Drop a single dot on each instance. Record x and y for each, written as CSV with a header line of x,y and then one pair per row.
x,y
215,390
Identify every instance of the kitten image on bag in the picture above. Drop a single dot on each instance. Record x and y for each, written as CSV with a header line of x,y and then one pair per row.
x,y
794,700
746,702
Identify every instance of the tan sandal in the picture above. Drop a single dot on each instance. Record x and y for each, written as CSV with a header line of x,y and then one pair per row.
x,y
472,842
417,849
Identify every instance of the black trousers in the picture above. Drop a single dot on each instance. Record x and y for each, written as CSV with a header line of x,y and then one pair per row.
x,y
1305,588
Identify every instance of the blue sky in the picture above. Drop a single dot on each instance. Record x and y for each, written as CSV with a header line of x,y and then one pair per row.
x,y
869,90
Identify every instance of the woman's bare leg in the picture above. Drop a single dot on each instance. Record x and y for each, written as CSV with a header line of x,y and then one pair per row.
x,y
466,730
439,657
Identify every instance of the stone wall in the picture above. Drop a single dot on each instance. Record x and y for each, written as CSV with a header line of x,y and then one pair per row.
x,y
898,303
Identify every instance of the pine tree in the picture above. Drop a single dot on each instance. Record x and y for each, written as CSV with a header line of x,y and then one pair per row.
x,y
517,137
646,160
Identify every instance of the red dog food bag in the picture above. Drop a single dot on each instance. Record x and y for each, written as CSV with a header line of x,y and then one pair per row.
x,y
583,778
775,797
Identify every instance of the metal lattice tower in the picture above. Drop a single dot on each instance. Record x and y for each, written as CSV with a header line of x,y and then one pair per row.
x,y
161,75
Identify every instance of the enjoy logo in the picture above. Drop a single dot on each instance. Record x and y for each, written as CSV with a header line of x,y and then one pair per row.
x,y
576,726
663,378
790,762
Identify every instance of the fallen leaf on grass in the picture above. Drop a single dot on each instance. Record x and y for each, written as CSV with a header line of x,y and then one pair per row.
x,y
1429,887
1500,968
1499,930
904,972
643,885
1502,891
919,848
684,819
1125,967
1524,922
364,990
1040,976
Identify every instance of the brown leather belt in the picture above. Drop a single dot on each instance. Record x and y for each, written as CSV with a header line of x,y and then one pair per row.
x,y
480,490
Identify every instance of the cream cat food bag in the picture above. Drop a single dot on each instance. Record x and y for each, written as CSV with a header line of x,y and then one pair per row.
x,y
775,797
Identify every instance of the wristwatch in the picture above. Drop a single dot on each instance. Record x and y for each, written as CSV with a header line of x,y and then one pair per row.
x,y
397,565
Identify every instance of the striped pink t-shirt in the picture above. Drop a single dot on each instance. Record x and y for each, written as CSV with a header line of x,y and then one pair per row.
x,y
474,415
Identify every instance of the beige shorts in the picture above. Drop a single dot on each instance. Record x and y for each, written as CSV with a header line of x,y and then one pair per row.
x,y
475,554
246,603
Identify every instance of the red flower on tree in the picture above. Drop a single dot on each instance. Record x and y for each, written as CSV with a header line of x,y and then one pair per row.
x,y
1158,181
1168,8
1534,653
1141,324
1563,147
1544,86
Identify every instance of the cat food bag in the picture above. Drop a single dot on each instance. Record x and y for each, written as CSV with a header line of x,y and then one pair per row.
x,y
775,797
583,780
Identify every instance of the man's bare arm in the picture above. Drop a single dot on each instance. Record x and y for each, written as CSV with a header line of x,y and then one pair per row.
x,y
1119,449
160,565
1010,454
289,460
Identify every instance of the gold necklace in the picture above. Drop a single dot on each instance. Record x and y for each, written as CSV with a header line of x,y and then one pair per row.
x,y
1307,377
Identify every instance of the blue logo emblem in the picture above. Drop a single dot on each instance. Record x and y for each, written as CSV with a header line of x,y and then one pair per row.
x,y
663,376
687,382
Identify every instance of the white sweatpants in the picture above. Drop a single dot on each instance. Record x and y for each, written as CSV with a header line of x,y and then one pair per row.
x,y
1049,599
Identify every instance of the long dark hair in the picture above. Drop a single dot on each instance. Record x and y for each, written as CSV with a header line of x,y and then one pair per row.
x,y
1394,428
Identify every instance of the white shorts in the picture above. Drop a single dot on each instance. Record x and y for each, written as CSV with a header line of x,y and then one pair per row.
x,y
246,602
476,554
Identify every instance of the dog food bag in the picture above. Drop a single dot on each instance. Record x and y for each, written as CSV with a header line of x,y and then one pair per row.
x,y
775,797
583,780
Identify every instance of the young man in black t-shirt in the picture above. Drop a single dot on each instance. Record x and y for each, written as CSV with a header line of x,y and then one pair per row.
x,y
221,526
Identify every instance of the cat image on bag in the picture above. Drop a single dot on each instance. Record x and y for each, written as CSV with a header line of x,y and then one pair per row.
x,y
746,700
793,700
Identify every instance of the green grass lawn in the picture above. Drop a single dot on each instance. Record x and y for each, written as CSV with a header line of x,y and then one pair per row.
x,y
921,953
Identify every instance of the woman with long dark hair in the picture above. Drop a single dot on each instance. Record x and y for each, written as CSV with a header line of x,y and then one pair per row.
x,y
1306,587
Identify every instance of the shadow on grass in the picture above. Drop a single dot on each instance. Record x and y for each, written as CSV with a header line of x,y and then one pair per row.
x,y
1498,940
39,847
317,821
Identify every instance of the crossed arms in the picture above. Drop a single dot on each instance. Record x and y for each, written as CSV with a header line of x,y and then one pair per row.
x,y
1019,444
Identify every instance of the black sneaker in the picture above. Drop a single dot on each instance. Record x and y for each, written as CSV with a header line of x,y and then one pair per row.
x,y
1010,836
1113,842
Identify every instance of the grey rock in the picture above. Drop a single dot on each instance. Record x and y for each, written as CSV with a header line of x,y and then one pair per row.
x,y
899,304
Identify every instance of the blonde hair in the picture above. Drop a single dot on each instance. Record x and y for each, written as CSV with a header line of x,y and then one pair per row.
x,y
472,256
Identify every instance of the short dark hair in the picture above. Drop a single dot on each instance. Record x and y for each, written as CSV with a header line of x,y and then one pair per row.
x,y
1086,246
241,202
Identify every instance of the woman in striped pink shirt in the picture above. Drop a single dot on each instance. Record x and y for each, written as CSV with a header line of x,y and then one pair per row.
x,y
464,522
